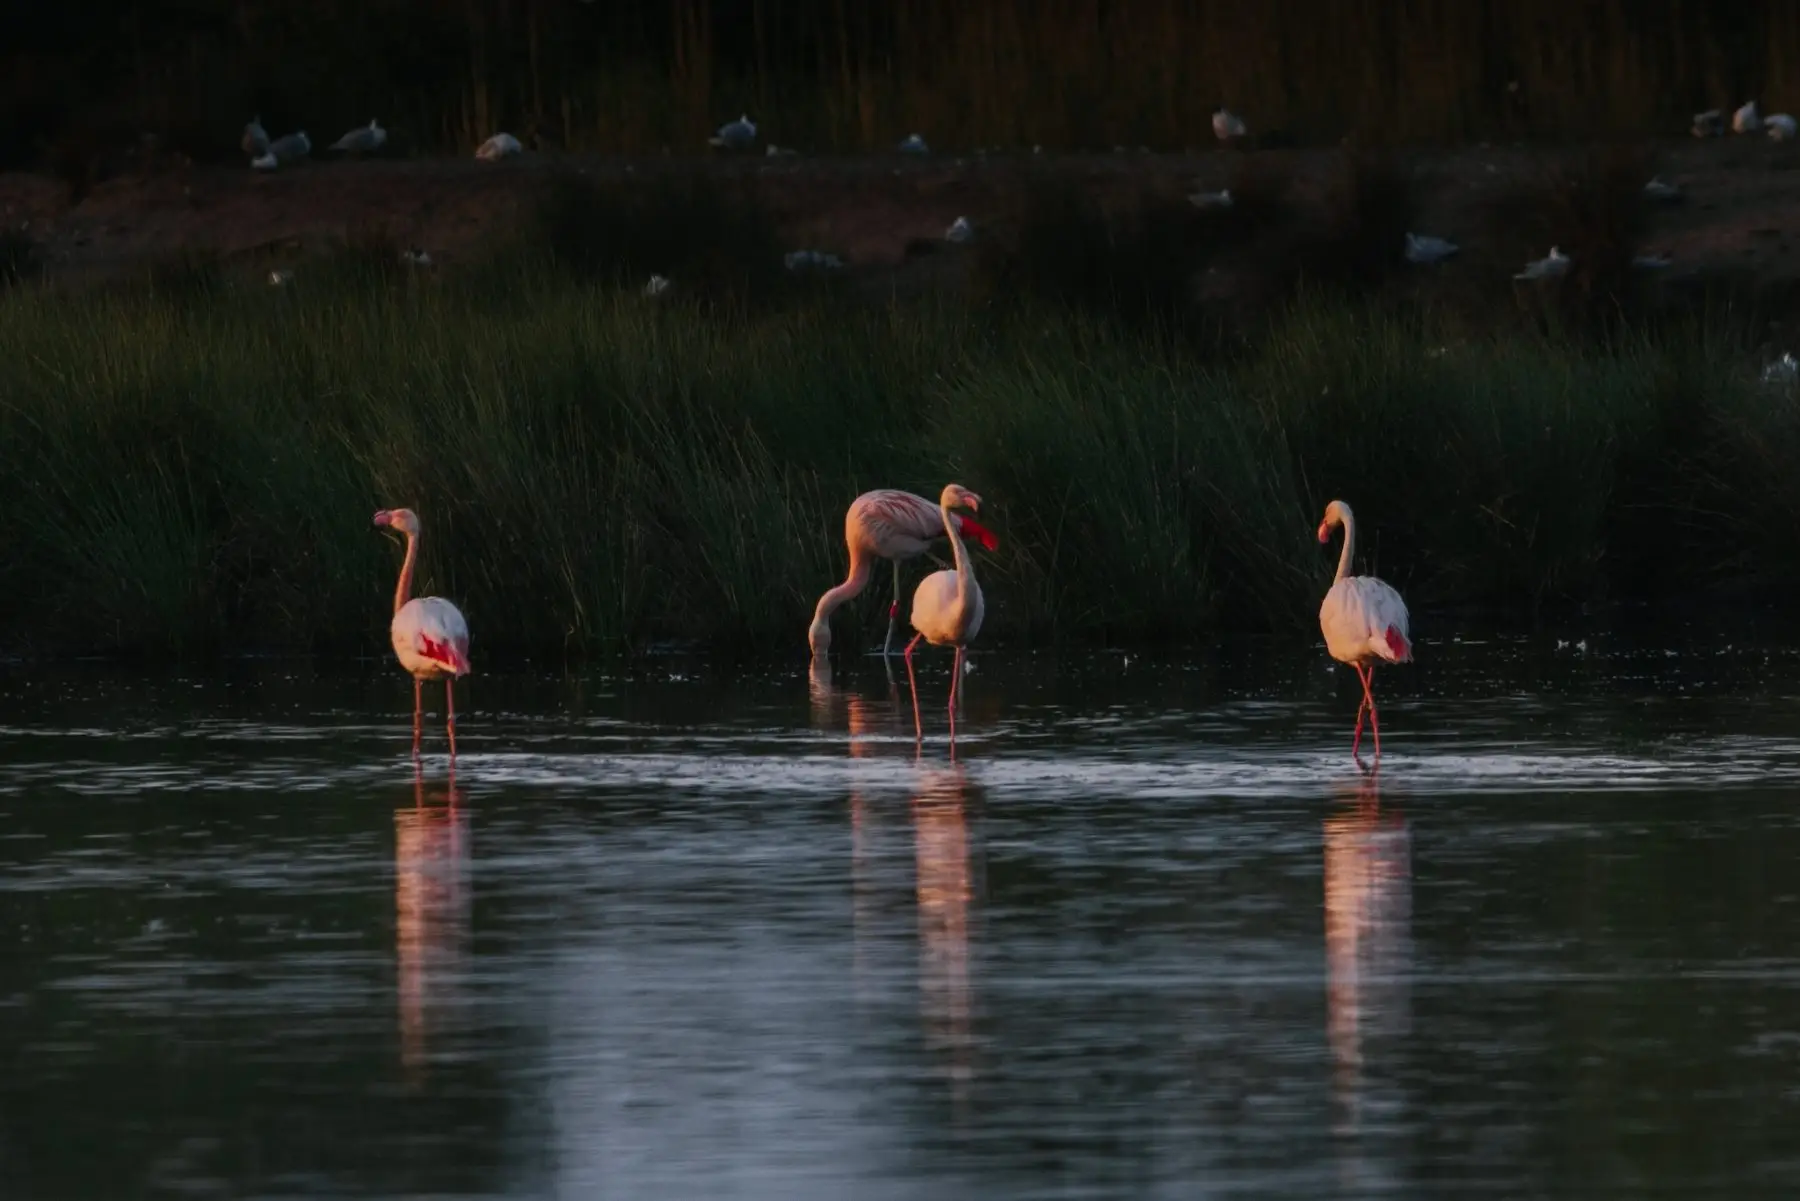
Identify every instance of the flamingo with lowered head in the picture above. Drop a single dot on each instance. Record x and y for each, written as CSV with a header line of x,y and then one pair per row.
x,y
1363,619
893,525
430,637
947,606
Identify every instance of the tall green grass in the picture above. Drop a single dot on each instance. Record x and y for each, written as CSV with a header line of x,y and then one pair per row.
x,y
598,471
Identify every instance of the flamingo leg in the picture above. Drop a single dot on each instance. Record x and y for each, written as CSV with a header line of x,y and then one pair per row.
x,y
956,671
418,712
912,683
450,713
887,648
1361,708
1374,717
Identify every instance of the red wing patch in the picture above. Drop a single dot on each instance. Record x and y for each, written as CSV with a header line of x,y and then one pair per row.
x,y
979,532
1398,644
441,652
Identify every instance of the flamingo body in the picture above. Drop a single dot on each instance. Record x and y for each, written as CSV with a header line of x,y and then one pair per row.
x,y
893,525
430,637
947,605
1364,621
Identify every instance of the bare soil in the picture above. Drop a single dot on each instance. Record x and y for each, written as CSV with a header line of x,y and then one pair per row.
x,y
1740,214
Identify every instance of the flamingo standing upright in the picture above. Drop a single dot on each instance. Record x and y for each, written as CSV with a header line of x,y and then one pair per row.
x,y
893,525
1363,619
430,637
947,606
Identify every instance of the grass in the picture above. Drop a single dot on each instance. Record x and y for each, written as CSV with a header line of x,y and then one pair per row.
x,y
194,467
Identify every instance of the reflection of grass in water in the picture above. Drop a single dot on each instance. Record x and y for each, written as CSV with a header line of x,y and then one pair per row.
x,y
596,470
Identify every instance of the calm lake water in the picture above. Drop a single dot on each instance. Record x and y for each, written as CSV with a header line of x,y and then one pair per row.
x,y
697,933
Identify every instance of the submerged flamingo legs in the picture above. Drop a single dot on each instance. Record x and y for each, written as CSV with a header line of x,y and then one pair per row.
x,y
450,712
912,682
418,712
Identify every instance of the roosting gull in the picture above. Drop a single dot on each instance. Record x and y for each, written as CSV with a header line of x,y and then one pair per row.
x,y
283,150
1424,249
960,231
914,144
1745,119
1227,125
1551,266
1780,127
735,135
1662,190
362,140
1709,124
256,138
501,145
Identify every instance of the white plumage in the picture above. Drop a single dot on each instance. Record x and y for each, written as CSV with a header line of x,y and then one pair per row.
x,y
429,635
1551,266
501,145
1423,249
735,135
1228,126
914,144
362,140
1363,619
886,524
1745,119
256,138
1780,127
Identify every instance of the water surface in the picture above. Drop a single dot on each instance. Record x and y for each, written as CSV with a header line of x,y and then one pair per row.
x,y
689,932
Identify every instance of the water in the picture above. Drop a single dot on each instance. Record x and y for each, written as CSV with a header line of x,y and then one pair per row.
x,y
697,933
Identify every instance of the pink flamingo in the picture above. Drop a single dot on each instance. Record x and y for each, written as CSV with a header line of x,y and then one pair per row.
x,y
947,607
1364,620
885,524
430,637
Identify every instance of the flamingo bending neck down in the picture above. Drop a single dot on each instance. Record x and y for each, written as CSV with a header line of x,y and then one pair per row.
x,y
1363,619
430,637
886,524
947,607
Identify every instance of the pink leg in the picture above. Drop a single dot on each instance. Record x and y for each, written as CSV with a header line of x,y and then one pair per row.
x,y
450,714
1374,717
912,683
1361,708
418,711
956,671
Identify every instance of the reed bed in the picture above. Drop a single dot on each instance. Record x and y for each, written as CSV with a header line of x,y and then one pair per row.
x,y
194,467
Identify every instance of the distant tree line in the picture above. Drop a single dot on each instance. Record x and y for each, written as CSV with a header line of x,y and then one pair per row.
x,y
823,75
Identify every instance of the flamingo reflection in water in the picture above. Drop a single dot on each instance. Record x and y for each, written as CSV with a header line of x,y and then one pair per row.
x,y
431,912
1368,945
946,888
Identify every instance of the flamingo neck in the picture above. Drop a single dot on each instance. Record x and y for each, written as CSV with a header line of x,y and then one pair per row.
x,y
855,582
1344,555
965,566
403,590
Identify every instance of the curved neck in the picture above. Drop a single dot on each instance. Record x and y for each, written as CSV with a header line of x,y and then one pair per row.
x,y
965,566
403,590
1349,548
855,582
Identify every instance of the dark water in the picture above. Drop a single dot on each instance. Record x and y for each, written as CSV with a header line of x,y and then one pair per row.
x,y
703,935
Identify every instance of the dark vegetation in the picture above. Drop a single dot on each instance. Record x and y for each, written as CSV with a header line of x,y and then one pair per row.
x,y
193,460
91,92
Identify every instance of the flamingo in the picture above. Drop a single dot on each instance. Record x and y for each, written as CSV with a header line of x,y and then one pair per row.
x,y
885,524
430,637
947,606
1363,619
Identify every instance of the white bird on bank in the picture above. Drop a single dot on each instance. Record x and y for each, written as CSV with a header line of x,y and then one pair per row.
x,y
256,138
735,135
960,231
1783,371
1228,126
415,257
1709,124
362,140
1551,266
282,151
1206,201
657,286
1363,619
1425,249
1660,189
811,260
1780,127
1745,119
280,277
501,145
914,144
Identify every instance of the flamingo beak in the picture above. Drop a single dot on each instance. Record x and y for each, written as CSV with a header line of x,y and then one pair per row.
x,y
1324,533
384,517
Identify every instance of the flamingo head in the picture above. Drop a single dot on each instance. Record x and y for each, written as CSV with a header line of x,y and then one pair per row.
x,y
404,520
958,497
818,637
1336,513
